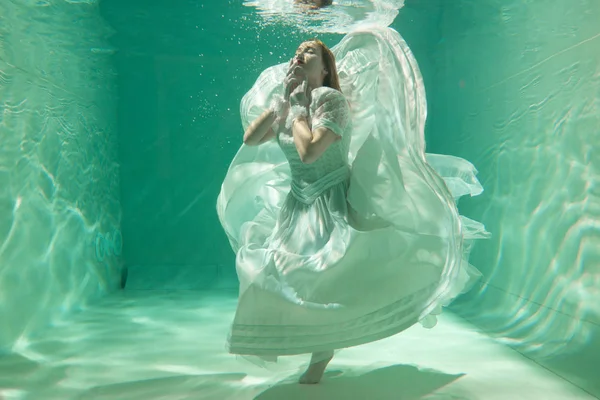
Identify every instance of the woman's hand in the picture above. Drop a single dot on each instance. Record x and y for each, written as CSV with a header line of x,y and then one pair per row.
x,y
294,77
301,95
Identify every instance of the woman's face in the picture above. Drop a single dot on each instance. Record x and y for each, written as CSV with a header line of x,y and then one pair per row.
x,y
309,57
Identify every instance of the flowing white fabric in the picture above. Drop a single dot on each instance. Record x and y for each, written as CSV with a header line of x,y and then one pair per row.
x,y
366,241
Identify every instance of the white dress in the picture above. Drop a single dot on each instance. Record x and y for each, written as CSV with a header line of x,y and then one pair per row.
x,y
362,243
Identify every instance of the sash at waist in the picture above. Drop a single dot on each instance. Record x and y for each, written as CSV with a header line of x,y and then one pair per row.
x,y
307,194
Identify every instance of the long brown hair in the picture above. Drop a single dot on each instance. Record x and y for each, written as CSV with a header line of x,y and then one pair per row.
x,y
331,79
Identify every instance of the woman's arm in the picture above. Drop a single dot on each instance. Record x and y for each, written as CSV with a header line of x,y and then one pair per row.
x,y
311,145
260,130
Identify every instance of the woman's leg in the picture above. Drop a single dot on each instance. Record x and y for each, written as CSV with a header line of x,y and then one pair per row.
x,y
317,366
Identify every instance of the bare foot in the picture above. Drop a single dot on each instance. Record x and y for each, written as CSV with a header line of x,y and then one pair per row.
x,y
317,366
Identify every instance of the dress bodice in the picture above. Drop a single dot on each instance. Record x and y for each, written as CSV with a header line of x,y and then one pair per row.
x,y
328,109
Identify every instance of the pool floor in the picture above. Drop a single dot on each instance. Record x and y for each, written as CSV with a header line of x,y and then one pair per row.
x,y
154,345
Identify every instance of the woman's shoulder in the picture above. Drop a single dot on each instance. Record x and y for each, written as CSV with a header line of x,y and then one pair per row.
x,y
324,94
326,90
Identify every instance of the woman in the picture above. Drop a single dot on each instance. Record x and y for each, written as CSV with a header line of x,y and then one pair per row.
x,y
344,232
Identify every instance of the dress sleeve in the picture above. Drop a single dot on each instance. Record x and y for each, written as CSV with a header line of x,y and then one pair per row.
x,y
329,109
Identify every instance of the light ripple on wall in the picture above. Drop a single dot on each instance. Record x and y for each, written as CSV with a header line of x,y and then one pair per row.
x,y
59,179
521,91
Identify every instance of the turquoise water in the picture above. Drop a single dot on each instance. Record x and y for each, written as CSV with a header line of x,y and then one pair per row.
x,y
118,120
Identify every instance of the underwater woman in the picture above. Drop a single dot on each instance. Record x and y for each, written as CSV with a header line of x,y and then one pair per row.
x,y
345,231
